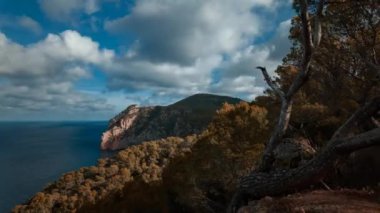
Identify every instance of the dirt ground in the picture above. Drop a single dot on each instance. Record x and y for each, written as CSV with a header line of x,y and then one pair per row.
x,y
336,201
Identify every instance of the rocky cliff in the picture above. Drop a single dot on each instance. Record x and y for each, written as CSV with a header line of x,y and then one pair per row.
x,y
185,117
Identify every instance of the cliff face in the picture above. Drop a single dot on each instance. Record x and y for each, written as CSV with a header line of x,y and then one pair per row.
x,y
185,117
121,127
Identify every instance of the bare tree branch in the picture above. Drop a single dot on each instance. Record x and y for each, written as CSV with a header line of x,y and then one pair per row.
x,y
317,22
362,114
308,51
361,141
287,99
279,182
272,84
375,122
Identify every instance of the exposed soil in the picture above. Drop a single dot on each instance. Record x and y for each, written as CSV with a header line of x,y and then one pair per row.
x,y
319,201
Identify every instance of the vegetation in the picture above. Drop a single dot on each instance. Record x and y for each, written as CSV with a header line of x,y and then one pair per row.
x,y
333,98
228,149
311,61
90,185
185,117
218,157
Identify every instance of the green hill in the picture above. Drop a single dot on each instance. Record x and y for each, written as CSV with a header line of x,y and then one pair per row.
x,y
185,117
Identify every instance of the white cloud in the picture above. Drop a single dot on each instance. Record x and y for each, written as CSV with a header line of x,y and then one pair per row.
x,y
65,10
239,74
181,48
182,31
242,86
180,44
51,55
41,76
20,22
141,74
30,24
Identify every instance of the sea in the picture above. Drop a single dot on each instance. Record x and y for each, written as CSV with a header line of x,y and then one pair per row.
x,y
33,154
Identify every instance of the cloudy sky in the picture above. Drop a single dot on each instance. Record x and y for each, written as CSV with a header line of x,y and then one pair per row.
x,y
89,59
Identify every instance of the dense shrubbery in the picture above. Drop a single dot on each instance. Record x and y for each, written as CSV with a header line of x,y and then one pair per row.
x,y
228,149
199,173
90,185
201,176
205,177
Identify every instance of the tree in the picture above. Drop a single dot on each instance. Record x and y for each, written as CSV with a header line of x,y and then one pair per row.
x,y
226,150
310,43
265,181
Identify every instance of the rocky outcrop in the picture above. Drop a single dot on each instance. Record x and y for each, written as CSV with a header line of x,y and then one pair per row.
x,y
185,117
119,126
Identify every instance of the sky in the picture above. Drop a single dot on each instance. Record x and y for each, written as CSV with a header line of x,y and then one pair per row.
x,y
90,59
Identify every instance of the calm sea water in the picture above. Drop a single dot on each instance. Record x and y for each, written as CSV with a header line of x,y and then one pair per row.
x,y
32,154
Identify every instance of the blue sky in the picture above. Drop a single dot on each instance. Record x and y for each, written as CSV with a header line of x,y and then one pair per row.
x,y
89,59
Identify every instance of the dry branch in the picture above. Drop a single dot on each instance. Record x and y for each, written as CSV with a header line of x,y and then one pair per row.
x,y
287,98
272,84
259,184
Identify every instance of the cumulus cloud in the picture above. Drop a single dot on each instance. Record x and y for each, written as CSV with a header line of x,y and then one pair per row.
x,y
41,76
20,22
64,10
180,45
180,48
30,24
141,74
182,31
239,76
52,56
243,86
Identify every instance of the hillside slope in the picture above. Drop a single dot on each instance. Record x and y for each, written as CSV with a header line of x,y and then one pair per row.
x,y
185,117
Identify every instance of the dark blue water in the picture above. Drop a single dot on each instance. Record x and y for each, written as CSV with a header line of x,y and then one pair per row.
x,y
32,154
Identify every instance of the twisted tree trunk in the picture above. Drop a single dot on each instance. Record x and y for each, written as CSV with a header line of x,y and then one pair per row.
x,y
278,133
259,184
310,42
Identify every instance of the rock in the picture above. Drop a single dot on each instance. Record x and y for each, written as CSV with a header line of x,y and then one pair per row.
x,y
136,124
120,124
293,152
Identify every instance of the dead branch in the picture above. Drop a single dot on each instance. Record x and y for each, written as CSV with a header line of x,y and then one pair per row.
x,y
362,114
272,84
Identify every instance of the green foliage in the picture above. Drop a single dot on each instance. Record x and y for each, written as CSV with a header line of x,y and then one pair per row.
x,y
195,180
199,174
88,186
341,77
229,148
137,196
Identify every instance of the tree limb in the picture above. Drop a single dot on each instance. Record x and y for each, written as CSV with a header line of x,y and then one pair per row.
x,y
287,99
375,122
308,51
317,22
258,184
272,84
362,114
361,141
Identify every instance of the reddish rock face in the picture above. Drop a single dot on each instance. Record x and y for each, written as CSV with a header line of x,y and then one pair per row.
x,y
112,137
189,116
117,134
